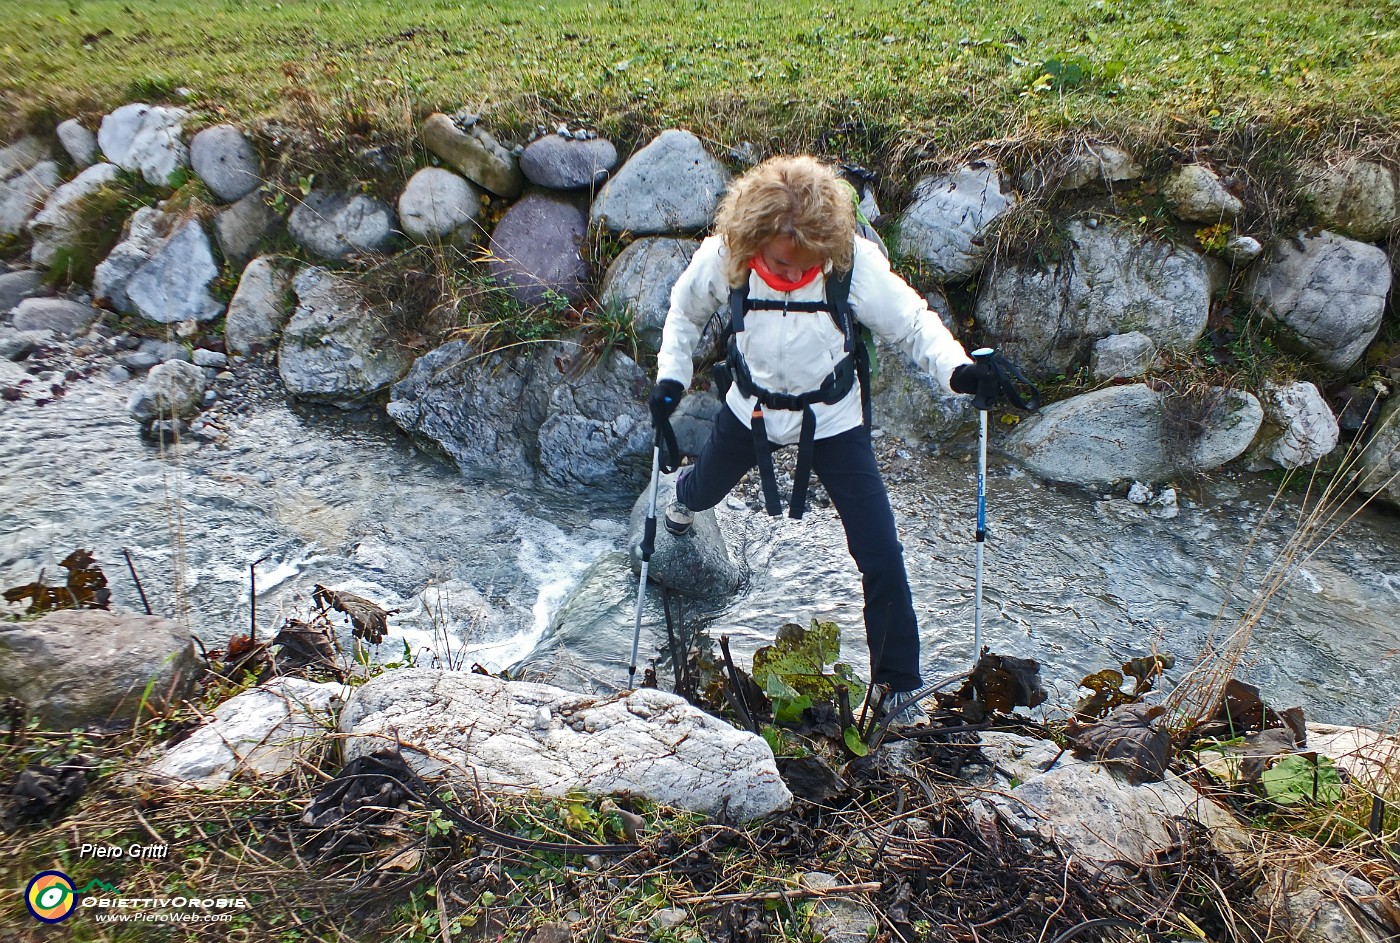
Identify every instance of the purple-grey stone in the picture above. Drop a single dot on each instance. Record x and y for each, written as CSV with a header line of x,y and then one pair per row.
x,y
567,164
535,249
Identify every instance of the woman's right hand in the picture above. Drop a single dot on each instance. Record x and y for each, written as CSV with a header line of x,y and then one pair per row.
x,y
664,399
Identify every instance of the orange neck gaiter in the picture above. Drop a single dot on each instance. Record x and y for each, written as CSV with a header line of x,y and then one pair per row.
x,y
777,282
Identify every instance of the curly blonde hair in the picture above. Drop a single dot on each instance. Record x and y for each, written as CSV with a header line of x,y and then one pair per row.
x,y
797,197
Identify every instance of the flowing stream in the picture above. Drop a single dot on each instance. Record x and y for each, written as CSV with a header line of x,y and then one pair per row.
x,y
492,569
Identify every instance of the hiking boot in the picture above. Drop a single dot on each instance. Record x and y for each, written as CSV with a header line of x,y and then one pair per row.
x,y
678,519
906,714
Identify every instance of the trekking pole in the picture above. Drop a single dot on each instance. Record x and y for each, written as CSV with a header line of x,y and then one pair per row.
x,y
981,355
648,545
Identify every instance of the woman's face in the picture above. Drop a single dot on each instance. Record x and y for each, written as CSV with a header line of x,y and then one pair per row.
x,y
786,260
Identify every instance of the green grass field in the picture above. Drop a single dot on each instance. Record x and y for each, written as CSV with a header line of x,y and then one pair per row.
x,y
950,72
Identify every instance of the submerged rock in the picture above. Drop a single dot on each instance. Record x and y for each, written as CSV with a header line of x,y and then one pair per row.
x,y
697,564
89,666
265,731
519,737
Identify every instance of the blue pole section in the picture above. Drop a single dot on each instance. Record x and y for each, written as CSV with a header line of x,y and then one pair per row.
x,y
982,354
648,545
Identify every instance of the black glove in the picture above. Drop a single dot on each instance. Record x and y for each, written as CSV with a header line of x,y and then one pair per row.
x,y
991,378
664,399
978,379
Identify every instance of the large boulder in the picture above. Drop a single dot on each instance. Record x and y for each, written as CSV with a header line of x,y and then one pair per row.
x,y
239,228
535,250
1111,280
61,223
260,306
79,143
23,194
1135,433
1298,428
88,666
439,206
1380,461
530,408
173,285
226,162
518,737
1356,197
948,223
672,185
335,225
336,348
909,403
146,139
54,315
1194,192
640,280
266,731
562,163
173,389
1328,290
696,564
470,148
598,430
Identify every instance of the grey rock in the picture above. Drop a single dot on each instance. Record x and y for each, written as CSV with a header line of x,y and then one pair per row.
x,y
79,142
59,224
475,154
1123,355
535,250
470,728
264,732
1380,461
22,155
694,420
568,164
208,358
23,194
16,345
1098,164
118,374
336,225
173,389
835,920
1135,433
598,430
146,231
1195,193
672,185
1328,290
909,403
1356,197
1113,281
439,206
226,162
640,280
1298,428
947,224
260,306
531,408
87,666
138,361
241,227
336,348
17,286
145,139
165,350
56,315
696,564
173,287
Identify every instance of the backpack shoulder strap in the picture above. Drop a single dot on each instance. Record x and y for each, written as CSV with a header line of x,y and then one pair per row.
x,y
838,299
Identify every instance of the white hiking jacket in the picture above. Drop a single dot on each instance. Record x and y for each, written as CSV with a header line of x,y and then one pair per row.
x,y
793,352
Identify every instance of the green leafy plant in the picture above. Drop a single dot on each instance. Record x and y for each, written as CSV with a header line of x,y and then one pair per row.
x,y
1298,778
793,670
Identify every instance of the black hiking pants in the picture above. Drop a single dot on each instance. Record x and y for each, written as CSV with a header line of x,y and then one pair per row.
x,y
845,465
